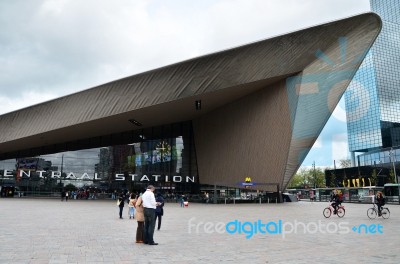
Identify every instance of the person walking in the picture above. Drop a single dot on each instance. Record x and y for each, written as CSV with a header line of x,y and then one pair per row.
x,y
159,210
131,205
121,204
139,215
149,204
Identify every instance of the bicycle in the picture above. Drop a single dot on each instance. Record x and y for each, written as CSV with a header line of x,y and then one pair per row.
x,y
328,211
373,212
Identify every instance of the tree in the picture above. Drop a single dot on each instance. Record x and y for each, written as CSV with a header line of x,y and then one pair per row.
x,y
332,180
391,176
373,177
299,179
70,187
296,182
317,177
311,177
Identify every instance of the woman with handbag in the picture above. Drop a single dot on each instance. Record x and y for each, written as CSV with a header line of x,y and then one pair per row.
x,y
139,215
120,203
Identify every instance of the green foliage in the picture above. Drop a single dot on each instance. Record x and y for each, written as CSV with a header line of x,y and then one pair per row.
x,y
331,180
70,187
391,176
373,177
308,177
297,181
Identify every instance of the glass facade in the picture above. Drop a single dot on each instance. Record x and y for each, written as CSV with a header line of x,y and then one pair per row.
x,y
375,158
373,97
163,156
362,109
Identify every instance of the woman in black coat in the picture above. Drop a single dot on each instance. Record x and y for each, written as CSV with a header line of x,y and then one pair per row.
x,y
121,203
159,209
380,201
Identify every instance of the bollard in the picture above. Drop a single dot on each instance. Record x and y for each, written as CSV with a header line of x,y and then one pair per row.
x,y
225,200
260,200
234,201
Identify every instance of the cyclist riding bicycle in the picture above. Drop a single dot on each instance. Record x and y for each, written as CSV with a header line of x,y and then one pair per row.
x,y
336,201
380,201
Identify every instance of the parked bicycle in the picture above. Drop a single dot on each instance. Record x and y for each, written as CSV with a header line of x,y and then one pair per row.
x,y
373,212
329,210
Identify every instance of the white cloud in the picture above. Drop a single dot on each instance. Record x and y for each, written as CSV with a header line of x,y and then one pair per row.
x,y
27,99
339,147
318,143
51,48
340,113
60,47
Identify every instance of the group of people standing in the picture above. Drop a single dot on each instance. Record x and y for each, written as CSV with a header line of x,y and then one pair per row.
x,y
146,209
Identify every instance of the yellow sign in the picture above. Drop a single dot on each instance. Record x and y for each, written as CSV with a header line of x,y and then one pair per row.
x,y
247,179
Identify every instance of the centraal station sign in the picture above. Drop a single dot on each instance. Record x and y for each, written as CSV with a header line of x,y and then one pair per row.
x,y
118,176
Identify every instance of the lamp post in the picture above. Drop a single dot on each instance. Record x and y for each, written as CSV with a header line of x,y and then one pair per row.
x,y
315,178
394,167
62,164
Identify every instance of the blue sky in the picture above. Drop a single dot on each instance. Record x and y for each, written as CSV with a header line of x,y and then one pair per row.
x,y
332,142
52,48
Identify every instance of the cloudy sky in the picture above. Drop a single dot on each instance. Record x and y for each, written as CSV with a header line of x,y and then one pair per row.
x,y
51,48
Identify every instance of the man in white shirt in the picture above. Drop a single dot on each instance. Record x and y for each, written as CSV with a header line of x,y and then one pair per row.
x,y
149,204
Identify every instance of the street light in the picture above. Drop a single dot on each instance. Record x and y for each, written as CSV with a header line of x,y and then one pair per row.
x,y
392,157
315,180
62,164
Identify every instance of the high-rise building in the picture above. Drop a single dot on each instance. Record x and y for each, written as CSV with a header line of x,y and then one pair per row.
x,y
373,97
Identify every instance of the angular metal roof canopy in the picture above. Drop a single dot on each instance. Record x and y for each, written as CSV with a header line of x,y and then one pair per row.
x,y
306,72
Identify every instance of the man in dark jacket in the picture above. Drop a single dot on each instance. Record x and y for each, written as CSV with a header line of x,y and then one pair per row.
x,y
121,203
380,201
159,209
335,201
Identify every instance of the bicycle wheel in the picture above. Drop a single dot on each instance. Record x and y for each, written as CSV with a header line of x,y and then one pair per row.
x,y
372,213
327,212
385,213
341,212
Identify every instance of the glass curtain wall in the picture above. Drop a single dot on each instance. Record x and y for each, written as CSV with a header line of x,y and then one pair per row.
x,y
163,156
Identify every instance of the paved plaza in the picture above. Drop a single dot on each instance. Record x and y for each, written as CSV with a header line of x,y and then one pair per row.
x,y
51,231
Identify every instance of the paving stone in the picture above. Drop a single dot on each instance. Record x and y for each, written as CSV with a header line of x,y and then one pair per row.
x,y
50,231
